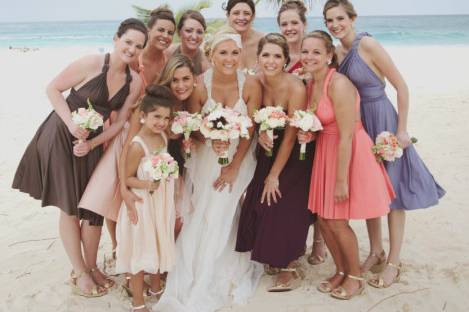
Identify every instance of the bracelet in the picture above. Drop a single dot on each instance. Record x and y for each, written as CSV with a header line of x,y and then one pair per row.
x,y
92,145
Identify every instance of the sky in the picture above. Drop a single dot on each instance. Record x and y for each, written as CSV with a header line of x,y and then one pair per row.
x,y
68,10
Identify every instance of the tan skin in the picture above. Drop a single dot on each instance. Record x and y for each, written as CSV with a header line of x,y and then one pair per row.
x,y
226,57
240,18
292,27
155,123
338,234
340,25
126,49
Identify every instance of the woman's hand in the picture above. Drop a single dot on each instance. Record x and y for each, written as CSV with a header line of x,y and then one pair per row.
x,y
304,137
152,185
403,138
220,147
80,149
78,132
341,192
132,214
271,190
130,198
265,141
228,175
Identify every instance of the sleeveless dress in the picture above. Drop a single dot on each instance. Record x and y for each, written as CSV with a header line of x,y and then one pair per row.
x,y
196,60
149,245
209,274
370,191
413,183
48,170
276,234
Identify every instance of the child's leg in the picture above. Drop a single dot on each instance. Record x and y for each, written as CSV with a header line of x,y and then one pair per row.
x,y
136,285
111,227
155,284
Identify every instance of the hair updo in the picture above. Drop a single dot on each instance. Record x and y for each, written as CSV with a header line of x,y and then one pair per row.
x,y
156,96
296,5
278,40
160,13
328,43
231,3
213,41
135,24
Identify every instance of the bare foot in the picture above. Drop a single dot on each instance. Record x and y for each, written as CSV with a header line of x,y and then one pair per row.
x,y
101,279
86,284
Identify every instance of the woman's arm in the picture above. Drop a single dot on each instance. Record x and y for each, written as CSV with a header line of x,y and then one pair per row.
x,y
195,103
344,96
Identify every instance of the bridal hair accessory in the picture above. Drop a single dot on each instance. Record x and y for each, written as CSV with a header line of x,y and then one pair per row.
x,y
223,37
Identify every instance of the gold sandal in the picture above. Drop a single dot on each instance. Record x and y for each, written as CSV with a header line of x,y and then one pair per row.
x,y
378,281
342,294
93,292
108,283
380,264
326,286
141,307
317,259
292,284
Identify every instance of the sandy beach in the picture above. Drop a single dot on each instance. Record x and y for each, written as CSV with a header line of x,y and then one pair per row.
x,y
34,268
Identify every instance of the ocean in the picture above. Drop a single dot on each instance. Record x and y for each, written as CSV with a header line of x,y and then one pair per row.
x,y
390,30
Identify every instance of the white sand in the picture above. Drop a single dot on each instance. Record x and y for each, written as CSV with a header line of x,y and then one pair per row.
x,y
436,276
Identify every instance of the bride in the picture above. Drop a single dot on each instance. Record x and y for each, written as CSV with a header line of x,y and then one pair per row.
x,y
209,274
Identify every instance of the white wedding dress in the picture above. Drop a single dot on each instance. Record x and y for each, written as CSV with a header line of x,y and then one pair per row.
x,y
209,273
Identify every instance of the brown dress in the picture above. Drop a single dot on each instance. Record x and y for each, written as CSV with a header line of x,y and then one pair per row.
x,y
48,170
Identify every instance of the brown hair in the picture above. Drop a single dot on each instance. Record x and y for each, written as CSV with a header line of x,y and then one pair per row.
x,y
277,39
231,3
328,43
296,5
191,14
135,24
175,62
347,5
160,13
156,96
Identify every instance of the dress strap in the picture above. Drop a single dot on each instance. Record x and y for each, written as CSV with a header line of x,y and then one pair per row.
x,y
357,39
241,79
327,81
106,62
128,77
140,141
165,139
208,82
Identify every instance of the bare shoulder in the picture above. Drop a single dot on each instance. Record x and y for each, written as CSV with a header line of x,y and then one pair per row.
x,y
369,44
295,84
252,84
170,51
91,62
136,82
136,150
340,84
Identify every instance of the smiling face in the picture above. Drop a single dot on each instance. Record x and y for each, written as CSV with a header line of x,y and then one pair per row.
x,y
240,17
291,26
129,45
314,55
157,120
161,34
338,22
192,34
271,59
226,56
182,83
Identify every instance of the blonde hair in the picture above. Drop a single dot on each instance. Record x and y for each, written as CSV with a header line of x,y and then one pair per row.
x,y
213,41
328,43
174,63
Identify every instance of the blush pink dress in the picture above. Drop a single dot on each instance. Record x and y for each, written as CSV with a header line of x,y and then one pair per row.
x,y
370,190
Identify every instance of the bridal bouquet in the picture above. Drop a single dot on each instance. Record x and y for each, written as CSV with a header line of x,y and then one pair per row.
x,y
225,124
387,146
160,167
185,122
87,118
270,118
306,121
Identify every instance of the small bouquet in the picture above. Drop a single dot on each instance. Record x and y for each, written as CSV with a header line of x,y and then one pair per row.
x,y
87,118
225,124
270,118
185,122
160,167
306,121
301,74
387,147
249,71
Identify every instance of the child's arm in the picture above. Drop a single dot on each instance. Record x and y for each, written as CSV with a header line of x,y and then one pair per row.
x,y
135,154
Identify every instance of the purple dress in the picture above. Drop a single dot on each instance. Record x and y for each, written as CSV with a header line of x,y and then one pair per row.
x,y
413,183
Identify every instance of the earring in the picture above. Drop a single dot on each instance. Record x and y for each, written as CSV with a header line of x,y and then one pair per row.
x,y
329,62
195,85
142,120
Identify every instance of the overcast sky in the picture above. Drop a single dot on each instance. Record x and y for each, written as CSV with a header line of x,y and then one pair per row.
x,y
67,10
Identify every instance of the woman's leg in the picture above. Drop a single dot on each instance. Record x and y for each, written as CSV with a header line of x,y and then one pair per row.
x,y
111,227
396,222
377,256
318,252
136,285
336,253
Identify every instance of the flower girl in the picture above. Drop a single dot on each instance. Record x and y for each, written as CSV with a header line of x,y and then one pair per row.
x,y
145,235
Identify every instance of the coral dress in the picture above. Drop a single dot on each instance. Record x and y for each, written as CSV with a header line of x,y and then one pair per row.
x,y
149,245
370,190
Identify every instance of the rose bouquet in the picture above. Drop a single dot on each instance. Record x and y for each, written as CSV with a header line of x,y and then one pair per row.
x,y
270,118
387,146
87,118
225,124
160,167
185,122
306,121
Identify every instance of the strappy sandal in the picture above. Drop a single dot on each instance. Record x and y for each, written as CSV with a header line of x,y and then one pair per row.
x,y
342,294
316,259
378,281
326,286
292,284
108,283
95,291
140,307
270,270
380,264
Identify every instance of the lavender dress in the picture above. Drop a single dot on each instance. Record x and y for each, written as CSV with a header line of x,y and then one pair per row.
x,y
413,183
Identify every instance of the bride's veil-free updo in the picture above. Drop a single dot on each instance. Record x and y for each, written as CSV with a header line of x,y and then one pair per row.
x,y
223,34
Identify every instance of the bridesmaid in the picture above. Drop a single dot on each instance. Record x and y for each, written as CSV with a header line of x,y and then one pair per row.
x,y
274,218
191,29
343,161
364,61
291,19
241,14
56,169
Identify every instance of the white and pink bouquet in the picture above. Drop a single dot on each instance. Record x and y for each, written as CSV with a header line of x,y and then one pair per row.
x,y
225,124
386,147
306,121
270,118
160,166
184,123
87,118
